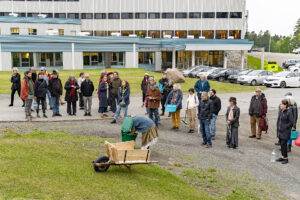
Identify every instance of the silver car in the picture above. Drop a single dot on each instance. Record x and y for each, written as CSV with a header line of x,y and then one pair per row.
x,y
256,77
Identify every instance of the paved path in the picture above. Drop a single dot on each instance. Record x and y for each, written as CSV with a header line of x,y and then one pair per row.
x,y
16,113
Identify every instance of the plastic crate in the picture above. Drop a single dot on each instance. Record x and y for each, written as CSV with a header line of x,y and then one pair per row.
x,y
128,137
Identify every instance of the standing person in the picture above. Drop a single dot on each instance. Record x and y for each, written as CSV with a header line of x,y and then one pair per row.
x,y
56,90
103,97
87,89
258,109
71,87
144,88
40,91
33,74
292,105
204,116
80,80
175,98
232,122
61,101
163,82
123,98
167,90
154,96
216,101
27,94
47,77
284,126
192,104
202,85
114,87
16,86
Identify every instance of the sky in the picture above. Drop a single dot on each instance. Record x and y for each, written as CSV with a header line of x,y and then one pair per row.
x,y
278,16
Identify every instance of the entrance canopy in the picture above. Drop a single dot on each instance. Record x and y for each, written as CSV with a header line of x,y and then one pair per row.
x,y
38,43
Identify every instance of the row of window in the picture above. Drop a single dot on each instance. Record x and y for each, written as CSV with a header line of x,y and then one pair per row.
x,y
142,15
208,34
40,0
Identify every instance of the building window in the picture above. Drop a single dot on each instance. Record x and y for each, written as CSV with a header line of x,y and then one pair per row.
x,y
216,58
236,34
32,14
117,58
100,33
181,34
146,58
113,15
141,34
222,14
208,34
168,15
181,15
61,32
141,15
127,33
110,32
21,14
153,15
167,32
195,15
100,15
196,34
51,59
208,15
32,31
154,34
93,59
236,15
60,15
127,15
86,16
73,15
221,34
14,31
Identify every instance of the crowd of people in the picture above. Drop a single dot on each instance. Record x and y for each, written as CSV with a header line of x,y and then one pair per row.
x,y
114,95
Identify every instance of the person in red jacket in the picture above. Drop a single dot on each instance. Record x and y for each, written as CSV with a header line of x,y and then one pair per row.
x,y
258,109
27,94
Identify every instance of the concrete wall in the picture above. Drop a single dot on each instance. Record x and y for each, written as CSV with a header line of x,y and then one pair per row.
x,y
5,61
158,61
131,59
234,59
67,60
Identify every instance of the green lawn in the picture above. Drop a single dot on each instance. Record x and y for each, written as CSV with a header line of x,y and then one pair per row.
x,y
134,77
43,165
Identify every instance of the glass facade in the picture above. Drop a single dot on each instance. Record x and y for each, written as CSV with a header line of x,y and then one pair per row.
x,y
98,58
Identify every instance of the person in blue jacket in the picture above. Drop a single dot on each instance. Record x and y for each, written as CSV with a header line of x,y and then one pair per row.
x,y
123,100
202,85
175,98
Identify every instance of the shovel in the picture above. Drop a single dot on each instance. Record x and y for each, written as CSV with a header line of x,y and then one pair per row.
x,y
184,120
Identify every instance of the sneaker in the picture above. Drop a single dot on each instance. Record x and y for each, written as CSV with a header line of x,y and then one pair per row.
x,y
23,105
85,114
113,121
10,105
279,160
45,116
102,116
252,136
105,115
285,161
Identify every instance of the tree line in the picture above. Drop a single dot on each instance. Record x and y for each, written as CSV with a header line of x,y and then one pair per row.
x,y
276,43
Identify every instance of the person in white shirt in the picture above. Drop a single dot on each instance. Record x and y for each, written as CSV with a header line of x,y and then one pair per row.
x,y
80,80
192,104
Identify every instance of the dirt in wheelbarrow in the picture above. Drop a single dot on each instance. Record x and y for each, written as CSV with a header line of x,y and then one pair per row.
x,y
217,170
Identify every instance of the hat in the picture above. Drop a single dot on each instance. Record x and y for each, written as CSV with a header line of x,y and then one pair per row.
x,y
54,72
43,69
146,74
258,90
214,91
151,78
288,94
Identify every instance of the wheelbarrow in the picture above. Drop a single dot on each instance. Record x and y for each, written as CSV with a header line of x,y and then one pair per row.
x,y
121,154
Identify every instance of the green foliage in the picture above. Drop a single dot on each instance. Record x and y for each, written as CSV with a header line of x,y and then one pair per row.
x,y
47,165
255,63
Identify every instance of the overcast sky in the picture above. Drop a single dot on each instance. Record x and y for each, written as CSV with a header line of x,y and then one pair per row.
x,y
278,16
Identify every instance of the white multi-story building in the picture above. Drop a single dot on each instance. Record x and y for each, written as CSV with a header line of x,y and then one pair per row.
x,y
122,33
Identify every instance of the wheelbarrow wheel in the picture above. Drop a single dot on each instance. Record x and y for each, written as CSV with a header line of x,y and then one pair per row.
x,y
101,159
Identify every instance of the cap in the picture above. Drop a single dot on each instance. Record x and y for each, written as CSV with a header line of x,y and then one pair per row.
x,y
288,94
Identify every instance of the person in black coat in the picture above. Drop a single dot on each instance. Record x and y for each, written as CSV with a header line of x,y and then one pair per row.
x,y
103,97
40,91
284,126
167,90
232,121
71,87
87,89
16,86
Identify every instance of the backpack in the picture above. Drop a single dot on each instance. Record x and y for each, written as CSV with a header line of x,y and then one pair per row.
x,y
264,124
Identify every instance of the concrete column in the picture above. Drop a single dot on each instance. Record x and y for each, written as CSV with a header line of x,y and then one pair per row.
x,y
193,58
174,58
35,63
134,57
73,56
225,60
243,60
5,61
158,61
69,63
131,60
1,68
262,59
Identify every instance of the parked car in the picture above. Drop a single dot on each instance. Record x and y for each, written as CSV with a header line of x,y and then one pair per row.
x,y
224,76
186,72
286,64
256,77
208,72
194,73
215,75
283,80
296,51
233,78
295,68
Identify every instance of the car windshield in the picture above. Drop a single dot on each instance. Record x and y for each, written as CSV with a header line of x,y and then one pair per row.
x,y
218,70
254,73
281,74
244,72
222,71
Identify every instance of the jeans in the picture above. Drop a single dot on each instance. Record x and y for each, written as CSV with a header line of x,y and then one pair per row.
x,y
87,104
119,108
154,111
50,100
213,125
205,131
289,142
55,104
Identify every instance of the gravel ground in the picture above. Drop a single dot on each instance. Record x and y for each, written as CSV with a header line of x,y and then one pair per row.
x,y
251,157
